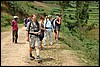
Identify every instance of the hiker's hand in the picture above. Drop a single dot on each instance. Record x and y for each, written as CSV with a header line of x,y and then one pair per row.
x,y
36,33
44,29
27,39
58,22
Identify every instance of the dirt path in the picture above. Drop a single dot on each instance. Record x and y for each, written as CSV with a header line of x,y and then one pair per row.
x,y
18,54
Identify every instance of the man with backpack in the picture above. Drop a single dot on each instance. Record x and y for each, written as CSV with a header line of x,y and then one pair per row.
x,y
14,25
33,30
49,28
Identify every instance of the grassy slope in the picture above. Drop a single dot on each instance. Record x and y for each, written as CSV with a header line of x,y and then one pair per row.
x,y
87,49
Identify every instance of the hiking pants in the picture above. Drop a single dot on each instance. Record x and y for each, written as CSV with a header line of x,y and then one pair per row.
x,y
15,35
48,32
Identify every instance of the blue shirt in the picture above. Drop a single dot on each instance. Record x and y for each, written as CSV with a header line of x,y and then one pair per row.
x,y
48,24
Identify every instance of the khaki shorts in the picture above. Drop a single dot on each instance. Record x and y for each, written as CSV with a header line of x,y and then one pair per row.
x,y
34,40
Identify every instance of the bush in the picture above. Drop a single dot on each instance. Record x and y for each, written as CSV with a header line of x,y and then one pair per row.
x,y
6,19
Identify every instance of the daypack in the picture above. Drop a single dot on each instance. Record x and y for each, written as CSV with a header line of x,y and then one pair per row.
x,y
26,20
53,23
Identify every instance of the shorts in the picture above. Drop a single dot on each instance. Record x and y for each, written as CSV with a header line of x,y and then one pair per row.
x,y
41,36
34,40
57,28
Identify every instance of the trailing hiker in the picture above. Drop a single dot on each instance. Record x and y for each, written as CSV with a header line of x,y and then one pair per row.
x,y
49,28
33,30
57,26
26,20
14,25
42,31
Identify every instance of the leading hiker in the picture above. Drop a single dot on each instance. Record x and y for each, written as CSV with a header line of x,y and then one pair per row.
x,y
33,29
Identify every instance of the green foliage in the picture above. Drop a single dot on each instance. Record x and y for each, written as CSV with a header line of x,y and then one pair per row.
x,y
6,19
77,41
82,13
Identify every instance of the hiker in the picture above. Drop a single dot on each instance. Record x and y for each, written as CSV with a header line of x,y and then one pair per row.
x,y
14,25
26,20
42,31
33,29
49,28
57,26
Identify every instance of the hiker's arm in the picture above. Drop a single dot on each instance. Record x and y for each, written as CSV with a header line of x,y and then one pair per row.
x,y
59,21
27,32
42,27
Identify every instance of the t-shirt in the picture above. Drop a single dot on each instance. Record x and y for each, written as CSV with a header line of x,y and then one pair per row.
x,y
14,25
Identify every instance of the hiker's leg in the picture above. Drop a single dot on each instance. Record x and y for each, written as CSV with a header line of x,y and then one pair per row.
x,y
16,36
13,36
31,42
41,38
55,34
30,50
45,37
37,44
58,31
37,50
50,37
27,36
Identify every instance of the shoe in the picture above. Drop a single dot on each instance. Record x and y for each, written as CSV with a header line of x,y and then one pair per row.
x,y
32,58
38,58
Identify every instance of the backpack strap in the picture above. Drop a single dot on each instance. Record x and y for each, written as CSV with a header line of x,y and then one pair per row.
x,y
46,23
30,24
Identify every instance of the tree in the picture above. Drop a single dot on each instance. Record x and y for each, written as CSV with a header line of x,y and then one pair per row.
x,y
82,14
63,5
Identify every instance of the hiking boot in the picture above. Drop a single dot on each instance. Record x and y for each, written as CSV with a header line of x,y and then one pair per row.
x,y
38,58
32,57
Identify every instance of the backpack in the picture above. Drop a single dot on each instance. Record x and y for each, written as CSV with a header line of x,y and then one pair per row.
x,y
53,23
26,20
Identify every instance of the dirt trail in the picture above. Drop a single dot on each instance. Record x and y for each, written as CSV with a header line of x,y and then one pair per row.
x,y
18,54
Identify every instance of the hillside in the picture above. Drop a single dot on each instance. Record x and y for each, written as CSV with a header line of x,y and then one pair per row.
x,y
22,9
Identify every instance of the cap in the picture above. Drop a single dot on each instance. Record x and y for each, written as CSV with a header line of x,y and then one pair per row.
x,y
49,15
15,16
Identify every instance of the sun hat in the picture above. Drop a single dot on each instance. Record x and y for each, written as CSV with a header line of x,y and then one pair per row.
x,y
49,15
15,16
